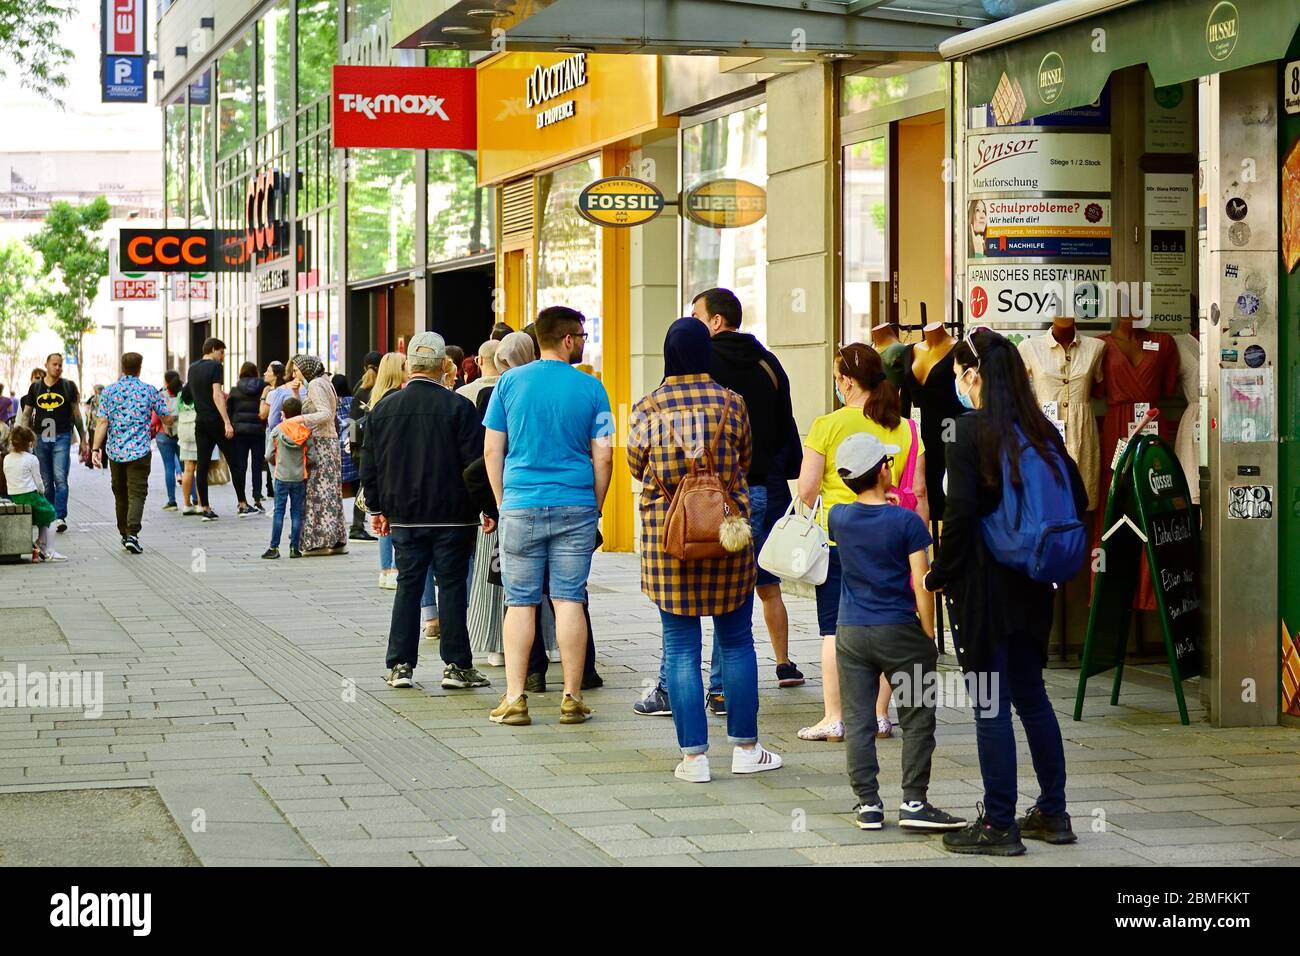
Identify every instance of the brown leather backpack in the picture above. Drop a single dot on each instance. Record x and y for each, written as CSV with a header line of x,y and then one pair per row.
x,y
701,504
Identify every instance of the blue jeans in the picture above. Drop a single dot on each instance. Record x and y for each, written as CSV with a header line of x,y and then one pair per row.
x,y
294,495
170,450
760,526
1015,676
445,551
53,458
386,562
734,631
534,541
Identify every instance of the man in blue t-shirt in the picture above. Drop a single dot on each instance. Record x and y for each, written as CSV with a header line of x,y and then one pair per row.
x,y
549,459
883,554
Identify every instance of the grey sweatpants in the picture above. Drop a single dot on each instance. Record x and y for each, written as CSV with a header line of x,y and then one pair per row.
x,y
905,656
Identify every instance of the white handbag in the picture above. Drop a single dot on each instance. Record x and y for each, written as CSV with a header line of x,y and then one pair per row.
x,y
796,548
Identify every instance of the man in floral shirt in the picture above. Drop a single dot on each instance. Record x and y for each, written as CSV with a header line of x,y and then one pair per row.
x,y
126,409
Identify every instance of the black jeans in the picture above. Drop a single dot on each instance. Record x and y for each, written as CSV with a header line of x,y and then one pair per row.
x,y
907,657
248,447
208,436
447,551
538,662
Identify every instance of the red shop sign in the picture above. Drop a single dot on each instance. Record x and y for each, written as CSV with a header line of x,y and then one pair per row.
x,y
404,107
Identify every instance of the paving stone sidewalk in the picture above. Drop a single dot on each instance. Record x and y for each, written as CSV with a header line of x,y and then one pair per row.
x,y
246,698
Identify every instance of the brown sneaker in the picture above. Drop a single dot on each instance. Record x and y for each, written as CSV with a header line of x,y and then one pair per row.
x,y
573,711
432,629
514,713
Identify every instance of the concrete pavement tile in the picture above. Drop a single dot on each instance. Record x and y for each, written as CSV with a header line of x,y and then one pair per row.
x,y
769,857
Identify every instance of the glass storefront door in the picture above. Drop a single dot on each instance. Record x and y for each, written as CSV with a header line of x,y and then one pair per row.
x,y
867,288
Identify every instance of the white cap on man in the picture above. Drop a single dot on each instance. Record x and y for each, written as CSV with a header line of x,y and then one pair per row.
x,y
426,350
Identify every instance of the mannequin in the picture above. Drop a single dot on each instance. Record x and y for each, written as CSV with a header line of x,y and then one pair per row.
x,y
884,339
1063,368
1137,367
928,383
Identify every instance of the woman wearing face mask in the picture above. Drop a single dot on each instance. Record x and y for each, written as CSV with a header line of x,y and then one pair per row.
x,y
871,405
1001,617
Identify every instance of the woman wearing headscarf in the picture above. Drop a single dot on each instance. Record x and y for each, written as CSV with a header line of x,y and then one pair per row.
x,y
668,429
324,529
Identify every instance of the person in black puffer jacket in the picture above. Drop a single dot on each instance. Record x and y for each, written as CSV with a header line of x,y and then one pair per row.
x,y
244,406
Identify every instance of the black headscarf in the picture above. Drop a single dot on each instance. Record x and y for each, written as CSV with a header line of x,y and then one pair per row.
x,y
687,348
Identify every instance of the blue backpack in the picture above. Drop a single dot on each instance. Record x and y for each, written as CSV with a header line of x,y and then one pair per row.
x,y
1036,529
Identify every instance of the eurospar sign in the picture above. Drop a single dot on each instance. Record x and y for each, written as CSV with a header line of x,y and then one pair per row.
x,y
404,107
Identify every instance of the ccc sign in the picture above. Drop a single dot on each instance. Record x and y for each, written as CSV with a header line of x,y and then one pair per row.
x,y
266,215
181,250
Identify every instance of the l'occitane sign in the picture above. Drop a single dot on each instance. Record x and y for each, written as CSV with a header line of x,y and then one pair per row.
x,y
538,109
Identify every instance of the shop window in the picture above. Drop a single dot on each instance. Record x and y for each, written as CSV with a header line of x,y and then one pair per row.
x,y
569,251
235,97
381,198
729,147
864,93
317,48
460,213
275,68
201,186
177,152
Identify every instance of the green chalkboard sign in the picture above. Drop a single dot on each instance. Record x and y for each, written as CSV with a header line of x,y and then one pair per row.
x,y
1148,514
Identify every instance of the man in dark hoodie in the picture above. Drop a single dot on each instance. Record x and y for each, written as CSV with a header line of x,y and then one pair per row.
x,y
740,362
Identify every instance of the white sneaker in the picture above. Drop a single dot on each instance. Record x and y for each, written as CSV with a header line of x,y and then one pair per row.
x,y
52,556
694,771
496,660
388,581
755,760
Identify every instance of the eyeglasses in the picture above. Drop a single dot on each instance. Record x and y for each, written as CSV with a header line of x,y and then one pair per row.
x,y
578,335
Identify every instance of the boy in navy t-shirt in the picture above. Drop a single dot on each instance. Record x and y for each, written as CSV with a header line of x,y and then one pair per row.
x,y
883,553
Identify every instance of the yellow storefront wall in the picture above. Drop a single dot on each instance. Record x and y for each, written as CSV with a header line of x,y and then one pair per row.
x,y
617,102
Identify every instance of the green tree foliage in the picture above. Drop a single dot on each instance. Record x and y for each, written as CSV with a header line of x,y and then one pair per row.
x,y
76,260
29,44
19,303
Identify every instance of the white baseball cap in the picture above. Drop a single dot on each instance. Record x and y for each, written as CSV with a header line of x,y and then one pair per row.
x,y
860,453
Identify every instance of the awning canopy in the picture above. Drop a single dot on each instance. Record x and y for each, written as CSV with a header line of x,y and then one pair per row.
x,y
1065,67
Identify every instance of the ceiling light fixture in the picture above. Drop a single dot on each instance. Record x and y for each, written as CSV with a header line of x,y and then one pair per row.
x,y
437,44
462,30
575,49
484,13
836,55
707,51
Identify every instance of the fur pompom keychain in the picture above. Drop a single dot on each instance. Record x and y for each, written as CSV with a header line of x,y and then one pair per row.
x,y
735,533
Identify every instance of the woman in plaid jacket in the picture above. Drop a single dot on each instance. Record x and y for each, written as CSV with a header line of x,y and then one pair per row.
x,y
681,415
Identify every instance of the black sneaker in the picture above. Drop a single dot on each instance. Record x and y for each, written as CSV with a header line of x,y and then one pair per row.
x,y
653,704
258,507
787,675
61,527
919,815
715,704
985,839
869,818
592,681
170,506
461,678
361,534
295,553
246,511
1037,825
132,544
271,554
210,515
401,676
535,684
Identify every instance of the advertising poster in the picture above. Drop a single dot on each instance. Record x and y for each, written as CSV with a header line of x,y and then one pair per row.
x,y
1170,118
1070,228
1169,212
1029,160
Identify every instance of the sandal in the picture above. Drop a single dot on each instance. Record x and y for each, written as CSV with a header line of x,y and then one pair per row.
x,y
832,732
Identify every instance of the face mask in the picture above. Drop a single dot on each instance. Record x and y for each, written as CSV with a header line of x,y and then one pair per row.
x,y
963,397
840,395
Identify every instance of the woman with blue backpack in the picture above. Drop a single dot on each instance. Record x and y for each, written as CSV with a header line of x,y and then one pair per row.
x,y
1011,532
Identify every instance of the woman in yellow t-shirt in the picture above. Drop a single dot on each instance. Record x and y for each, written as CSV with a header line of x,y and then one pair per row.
x,y
871,405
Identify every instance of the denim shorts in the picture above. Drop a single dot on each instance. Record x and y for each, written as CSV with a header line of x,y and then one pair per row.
x,y
765,511
537,540
828,597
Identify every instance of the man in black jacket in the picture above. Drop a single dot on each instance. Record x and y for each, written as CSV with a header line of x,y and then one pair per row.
x,y
418,443
742,364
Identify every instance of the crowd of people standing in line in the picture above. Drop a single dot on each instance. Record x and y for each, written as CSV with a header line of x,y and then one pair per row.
x,y
483,480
